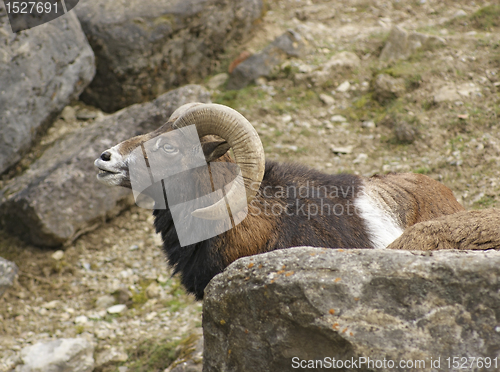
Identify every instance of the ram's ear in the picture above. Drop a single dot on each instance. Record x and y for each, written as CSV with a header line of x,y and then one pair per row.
x,y
214,150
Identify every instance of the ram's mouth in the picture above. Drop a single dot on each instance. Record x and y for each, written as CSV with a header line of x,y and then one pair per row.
x,y
105,173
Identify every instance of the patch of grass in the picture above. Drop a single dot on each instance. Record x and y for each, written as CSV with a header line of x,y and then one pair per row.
x,y
486,201
140,297
175,305
457,143
153,355
422,170
237,99
79,329
409,71
306,133
486,18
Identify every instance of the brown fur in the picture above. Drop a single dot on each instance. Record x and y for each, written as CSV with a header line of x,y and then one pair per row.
x,y
248,238
412,198
475,230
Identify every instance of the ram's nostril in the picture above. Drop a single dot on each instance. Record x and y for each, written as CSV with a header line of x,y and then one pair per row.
x,y
106,156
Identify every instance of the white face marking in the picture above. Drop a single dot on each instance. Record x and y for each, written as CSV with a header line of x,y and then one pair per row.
x,y
383,229
111,172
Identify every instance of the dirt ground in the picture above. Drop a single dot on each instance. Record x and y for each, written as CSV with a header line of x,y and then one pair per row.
x,y
455,141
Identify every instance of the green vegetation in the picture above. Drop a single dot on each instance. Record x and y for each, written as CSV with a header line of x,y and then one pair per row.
x,y
153,355
422,170
237,99
140,297
486,201
486,18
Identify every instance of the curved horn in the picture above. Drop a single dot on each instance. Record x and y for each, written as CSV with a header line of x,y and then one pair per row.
x,y
229,124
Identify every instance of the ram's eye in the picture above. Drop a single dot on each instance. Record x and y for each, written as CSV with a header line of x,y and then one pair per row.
x,y
169,149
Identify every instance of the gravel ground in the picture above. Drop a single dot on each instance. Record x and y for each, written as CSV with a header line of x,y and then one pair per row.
x,y
456,141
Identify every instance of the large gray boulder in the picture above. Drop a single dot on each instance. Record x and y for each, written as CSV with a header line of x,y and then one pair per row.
x,y
146,47
8,273
59,197
63,355
311,303
41,71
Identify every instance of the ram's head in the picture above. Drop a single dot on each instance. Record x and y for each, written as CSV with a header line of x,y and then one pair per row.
x,y
175,157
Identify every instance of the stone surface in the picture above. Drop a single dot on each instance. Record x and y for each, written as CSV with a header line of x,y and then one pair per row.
x,y
314,303
63,355
117,309
59,197
41,71
387,87
8,273
405,132
146,47
290,44
336,67
315,12
217,81
105,301
109,357
401,44
446,93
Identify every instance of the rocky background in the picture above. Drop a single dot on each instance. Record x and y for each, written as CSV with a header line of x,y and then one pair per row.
x,y
364,86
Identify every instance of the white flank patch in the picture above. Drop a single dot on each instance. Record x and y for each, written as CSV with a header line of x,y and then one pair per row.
x,y
382,228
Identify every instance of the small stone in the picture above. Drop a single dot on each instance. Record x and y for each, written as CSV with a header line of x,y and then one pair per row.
x,y
387,87
338,119
123,369
109,357
82,319
460,13
361,158
51,305
64,317
344,87
58,255
217,81
286,118
151,316
446,93
153,290
341,150
86,114
405,133
162,278
117,309
157,240
68,114
65,355
42,311
368,124
133,247
105,301
326,99
8,274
